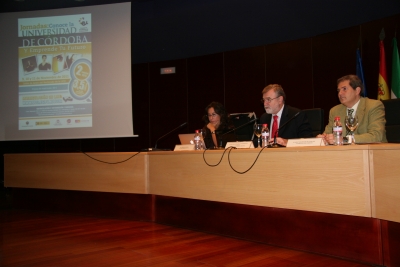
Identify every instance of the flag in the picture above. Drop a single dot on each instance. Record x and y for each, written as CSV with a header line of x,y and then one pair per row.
x,y
395,71
360,72
383,89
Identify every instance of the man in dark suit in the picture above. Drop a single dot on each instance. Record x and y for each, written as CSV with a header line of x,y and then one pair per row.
x,y
278,113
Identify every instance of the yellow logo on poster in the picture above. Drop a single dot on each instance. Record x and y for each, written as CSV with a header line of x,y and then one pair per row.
x,y
82,71
80,88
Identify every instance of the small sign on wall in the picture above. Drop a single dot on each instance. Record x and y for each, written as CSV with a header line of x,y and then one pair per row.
x,y
169,70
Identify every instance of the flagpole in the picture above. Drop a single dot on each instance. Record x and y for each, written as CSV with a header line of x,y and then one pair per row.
x,y
395,70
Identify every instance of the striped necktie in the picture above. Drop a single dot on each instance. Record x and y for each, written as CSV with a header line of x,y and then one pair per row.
x,y
350,112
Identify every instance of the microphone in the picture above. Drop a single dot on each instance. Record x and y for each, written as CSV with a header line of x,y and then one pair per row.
x,y
276,145
161,149
234,129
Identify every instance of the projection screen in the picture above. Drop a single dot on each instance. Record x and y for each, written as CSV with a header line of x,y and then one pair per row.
x,y
66,73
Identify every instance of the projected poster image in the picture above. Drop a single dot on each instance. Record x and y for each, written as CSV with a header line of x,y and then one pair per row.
x,y
44,65
29,64
55,72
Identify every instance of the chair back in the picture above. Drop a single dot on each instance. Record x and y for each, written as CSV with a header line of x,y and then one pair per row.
x,y
243,125
392,114
316,119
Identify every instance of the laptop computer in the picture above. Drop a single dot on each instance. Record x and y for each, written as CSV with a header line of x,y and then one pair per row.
x,y
186,138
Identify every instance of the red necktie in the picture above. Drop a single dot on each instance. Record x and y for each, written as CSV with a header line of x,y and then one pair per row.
x,y
275,127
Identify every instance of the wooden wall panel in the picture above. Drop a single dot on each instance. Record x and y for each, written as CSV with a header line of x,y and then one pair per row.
x,y
205,84
130,144
391,243
290,65
334,55
34,146
168,102
350,237
62,146
244,80
140,109
98,144
104,204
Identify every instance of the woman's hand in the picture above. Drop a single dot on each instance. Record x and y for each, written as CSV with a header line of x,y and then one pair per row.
x,y
212,127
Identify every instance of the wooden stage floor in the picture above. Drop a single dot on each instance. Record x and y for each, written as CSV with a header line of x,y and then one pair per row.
x,y
36,238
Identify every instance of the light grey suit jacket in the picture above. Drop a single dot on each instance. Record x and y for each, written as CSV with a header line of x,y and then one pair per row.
x,y
371,121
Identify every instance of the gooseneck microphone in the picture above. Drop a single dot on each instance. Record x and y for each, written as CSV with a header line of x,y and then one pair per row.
x,y
276,145
161,149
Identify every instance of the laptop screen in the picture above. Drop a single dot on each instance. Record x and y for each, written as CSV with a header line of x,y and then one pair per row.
x,y
186,138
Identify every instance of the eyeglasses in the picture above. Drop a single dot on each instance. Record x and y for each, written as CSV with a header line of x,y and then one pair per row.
x,y
212,115
267,99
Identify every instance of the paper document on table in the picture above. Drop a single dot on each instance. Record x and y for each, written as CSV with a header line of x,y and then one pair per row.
x,y
305,142
184,147
245,144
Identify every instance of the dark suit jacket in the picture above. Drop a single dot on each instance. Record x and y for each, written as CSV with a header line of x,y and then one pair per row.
x,y
299,127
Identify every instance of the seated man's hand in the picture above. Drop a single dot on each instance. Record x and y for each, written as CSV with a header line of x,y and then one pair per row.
x,y
328,138
279,141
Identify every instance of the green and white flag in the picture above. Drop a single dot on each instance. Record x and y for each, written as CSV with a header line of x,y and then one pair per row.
x,y
395,71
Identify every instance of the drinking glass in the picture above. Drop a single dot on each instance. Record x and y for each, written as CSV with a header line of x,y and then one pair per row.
x,y
351,124
257,131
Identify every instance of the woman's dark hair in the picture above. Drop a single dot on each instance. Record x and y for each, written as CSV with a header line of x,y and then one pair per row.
x,y
220,110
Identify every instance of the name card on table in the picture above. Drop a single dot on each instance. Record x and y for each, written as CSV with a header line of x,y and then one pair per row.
x,y
305,142
244,144
184,147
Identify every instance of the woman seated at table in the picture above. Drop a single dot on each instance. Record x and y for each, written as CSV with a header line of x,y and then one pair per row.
x,y
216,126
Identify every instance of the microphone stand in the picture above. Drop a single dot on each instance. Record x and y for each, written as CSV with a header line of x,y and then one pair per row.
x,y
275,144
162,149
220,147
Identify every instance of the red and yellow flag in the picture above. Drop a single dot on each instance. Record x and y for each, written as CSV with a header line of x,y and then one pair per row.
x,y
383,89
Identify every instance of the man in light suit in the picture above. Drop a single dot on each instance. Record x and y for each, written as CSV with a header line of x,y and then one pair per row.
x,y
370,112
277,112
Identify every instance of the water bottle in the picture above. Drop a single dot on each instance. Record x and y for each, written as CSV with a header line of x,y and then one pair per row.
x,y
202,134
337,132
264,135
197,141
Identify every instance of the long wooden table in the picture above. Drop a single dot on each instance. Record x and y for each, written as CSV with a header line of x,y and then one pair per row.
x,y
356,186
361,180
